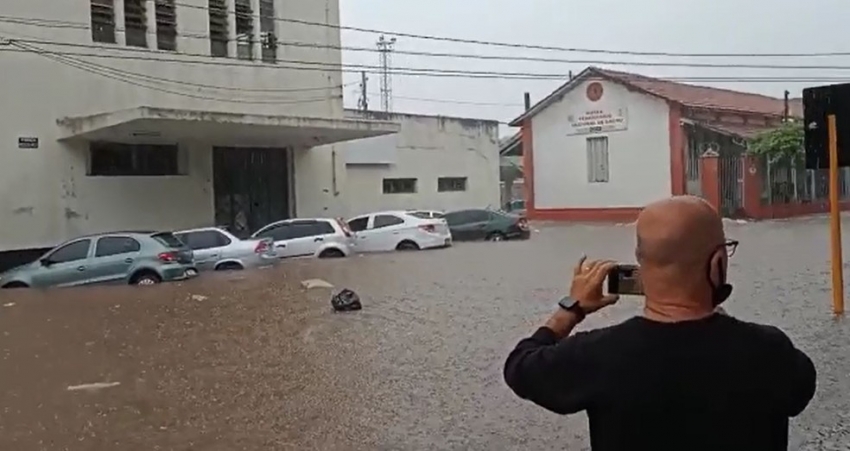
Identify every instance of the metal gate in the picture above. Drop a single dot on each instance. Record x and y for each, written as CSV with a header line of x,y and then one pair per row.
x,y
251,187
731,174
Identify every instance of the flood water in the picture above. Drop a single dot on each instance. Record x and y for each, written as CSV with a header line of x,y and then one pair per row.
x,y
250,361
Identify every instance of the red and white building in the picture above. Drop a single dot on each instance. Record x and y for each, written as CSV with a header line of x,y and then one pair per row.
x,y
606,143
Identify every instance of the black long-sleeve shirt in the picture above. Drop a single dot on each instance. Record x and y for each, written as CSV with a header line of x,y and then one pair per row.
x,y
713,384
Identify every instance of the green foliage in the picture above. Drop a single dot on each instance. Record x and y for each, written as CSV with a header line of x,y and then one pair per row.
x,y
784,144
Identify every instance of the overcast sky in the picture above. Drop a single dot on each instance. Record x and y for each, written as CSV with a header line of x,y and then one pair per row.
x,y
686,26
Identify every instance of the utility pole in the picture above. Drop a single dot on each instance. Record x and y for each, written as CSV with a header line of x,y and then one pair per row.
x,y
363,103
385,48
786,112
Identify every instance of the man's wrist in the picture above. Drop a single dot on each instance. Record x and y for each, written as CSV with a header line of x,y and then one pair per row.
x,y
562,322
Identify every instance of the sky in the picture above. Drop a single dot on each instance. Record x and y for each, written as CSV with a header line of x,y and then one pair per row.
x,y
685,26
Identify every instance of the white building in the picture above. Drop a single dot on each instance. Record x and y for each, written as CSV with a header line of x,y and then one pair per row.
x,y
434,162
606,143
143,114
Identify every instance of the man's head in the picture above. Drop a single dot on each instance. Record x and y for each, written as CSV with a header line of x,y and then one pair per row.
x,y
682,252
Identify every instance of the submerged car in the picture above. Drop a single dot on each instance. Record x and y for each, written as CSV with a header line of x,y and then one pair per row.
x,y
398,230
320,237
135,258
217,249
485,224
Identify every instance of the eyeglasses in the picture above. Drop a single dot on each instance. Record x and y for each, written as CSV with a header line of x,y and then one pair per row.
x,y
731,246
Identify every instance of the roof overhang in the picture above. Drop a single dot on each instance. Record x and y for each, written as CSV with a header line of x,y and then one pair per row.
x,y
154,125
511,146
742,131
559,93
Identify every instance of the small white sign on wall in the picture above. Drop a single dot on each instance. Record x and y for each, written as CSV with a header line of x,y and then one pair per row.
x,y
598,121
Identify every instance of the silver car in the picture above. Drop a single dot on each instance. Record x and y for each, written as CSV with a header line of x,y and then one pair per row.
x,y
322,238
217,249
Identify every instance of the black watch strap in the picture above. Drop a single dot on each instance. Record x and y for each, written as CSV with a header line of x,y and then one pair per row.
x,y
571,305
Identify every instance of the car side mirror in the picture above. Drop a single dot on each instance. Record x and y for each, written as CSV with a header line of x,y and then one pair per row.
x,y
46,262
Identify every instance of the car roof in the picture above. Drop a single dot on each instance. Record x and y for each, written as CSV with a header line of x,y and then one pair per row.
x,y
202,229
136,233
291,220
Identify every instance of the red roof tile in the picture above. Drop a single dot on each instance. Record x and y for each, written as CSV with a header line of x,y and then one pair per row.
x,y
700,96
688,95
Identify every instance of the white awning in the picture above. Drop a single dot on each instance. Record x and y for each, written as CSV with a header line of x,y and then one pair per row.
x,y
155,125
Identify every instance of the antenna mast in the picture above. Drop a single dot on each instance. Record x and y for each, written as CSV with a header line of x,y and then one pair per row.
x,y
385,49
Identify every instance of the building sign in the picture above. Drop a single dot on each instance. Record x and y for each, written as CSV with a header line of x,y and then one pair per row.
x,y
27,143
598,121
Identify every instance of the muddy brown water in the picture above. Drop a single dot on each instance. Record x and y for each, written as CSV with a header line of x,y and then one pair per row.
x,y
250,361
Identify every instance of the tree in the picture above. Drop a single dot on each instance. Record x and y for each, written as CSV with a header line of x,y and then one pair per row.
x,y
784,144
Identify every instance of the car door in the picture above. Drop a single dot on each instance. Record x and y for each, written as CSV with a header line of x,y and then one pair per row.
x,y
459,224
279,233
478,225
359,226
386,232
307,237
66,266
114,257
207,245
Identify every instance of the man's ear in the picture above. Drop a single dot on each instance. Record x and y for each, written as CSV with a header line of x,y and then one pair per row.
x,y
717,268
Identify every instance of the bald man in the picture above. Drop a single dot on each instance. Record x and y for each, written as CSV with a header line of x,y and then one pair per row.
x,y
681,376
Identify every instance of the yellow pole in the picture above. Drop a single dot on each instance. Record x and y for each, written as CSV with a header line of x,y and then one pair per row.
x,y
835,221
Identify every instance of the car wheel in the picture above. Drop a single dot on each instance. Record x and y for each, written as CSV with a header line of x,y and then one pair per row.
x,y
231,266
407,245
11,285
146,279
331,253
496,236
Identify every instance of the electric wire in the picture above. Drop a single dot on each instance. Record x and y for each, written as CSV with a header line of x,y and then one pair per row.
x,y
84,66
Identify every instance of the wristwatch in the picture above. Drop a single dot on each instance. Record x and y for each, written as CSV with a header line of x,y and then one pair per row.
x,y
571,305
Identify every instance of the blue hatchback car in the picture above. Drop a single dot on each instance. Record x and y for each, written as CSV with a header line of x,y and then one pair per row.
x,y
135,258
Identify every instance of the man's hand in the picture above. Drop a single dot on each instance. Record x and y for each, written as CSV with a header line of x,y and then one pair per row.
x,y
586,288
587,284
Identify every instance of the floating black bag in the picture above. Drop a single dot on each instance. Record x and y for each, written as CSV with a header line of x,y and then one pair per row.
x,y
346,301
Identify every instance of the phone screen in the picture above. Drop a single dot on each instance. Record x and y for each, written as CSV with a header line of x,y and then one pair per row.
x,y
625,279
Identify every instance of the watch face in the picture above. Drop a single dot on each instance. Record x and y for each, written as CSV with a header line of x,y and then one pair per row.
x,y
568,303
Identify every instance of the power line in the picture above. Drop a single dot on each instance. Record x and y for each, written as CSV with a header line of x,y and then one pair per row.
x,y
86,67
325,66
515,58
81,25
522,46
459,102
336,67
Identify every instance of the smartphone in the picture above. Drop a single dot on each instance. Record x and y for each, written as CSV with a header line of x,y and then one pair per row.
x,y
625,280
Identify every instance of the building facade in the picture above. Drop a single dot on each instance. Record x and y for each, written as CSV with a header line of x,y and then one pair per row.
x,y
143,114
606,143
434,162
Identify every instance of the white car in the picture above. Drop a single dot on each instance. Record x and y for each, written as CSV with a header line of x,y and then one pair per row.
x,y
321,238
217,249
398,230
427,214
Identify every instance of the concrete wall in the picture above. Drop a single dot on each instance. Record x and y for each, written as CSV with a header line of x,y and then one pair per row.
x,y
47,195
639,156
428,147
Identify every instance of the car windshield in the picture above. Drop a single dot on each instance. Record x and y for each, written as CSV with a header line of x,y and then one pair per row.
x,y
168,240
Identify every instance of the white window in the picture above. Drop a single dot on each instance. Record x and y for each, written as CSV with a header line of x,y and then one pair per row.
x,y
103,21
166,25
597,159
267,31
244,30
218,27
136,23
